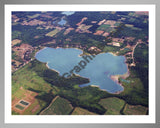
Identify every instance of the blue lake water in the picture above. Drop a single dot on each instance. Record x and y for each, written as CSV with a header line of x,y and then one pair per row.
x,y
97,70
68,13
62,22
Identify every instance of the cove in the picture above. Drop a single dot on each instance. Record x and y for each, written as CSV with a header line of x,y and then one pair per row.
x,y
98,71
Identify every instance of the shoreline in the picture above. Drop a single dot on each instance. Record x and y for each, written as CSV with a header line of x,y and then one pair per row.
x,y
114,54
39,51
115,78
52,69
117,92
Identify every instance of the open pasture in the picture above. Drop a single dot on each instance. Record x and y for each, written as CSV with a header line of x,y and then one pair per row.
x,y
58,106
113,105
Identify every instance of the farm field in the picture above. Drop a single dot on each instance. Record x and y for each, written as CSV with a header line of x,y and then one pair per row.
x,y
27,79
105,27
24,102
112,105
81,111
28,86
134,110
52,33
59,106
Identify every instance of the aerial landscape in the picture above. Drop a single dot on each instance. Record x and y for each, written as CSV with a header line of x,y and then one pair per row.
x,y
80,63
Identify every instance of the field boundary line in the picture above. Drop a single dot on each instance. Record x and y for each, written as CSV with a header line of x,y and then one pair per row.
x,y
49,105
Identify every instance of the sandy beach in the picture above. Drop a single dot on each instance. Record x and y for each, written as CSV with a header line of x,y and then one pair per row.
x,y
115,78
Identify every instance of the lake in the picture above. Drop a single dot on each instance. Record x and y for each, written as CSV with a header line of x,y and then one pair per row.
x,y
62,22
97,69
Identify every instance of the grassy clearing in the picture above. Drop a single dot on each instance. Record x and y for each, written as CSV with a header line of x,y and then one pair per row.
x,y
135,110
52,33
110,49
27,78
59,106
113,105
76,86
81,111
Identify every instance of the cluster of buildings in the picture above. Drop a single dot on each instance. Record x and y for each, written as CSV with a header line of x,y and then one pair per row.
x,y
22,53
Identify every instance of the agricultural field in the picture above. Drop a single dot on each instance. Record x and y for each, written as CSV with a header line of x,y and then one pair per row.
x,y
27,79
52,33
105,27
28,86
81,111
59,106
135,110
113,105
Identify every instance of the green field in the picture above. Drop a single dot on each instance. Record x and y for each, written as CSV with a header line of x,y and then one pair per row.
x,y
135,110
52,33
134,91
105,27
110,49
113,105
59,106
26,80
81,111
